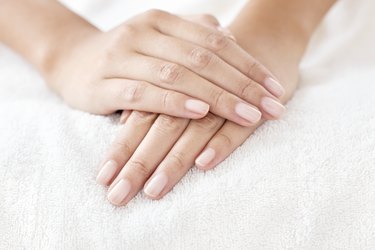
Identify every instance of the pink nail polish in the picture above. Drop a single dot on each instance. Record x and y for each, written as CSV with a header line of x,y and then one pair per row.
x,y
197,106
156,185
274,87
272,107
205,158
119,192
248,113
107,172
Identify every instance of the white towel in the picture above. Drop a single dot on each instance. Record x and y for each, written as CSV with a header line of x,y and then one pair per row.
x,y
304,182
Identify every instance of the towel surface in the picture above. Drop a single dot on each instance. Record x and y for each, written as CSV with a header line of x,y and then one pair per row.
x,y
304,182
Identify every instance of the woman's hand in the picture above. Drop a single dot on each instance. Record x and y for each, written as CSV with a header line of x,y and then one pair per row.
x,y
161,63
154,152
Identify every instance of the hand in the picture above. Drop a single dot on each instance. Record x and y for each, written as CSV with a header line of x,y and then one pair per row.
x,y
158,62
154,153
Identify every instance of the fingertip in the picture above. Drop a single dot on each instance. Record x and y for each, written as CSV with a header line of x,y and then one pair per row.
x,y
197,107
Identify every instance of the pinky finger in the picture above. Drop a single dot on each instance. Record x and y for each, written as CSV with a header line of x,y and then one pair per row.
x,y
222,144
124,94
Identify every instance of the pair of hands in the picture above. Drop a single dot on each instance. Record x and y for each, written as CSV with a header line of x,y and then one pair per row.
x,y
183,69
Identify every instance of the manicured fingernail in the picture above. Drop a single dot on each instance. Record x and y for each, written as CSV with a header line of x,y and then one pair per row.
x,y
119,192
197,106
107,172
272,107
205,158
274,87
248,113
156,185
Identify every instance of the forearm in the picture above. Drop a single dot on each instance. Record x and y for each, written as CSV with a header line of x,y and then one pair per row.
x,y
283,28
40,30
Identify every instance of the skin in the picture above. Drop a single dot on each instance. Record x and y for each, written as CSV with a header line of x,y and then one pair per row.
x,y
144,64
264,28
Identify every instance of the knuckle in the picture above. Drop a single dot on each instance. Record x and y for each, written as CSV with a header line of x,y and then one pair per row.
x,y
224,140
209,18
252,68
170,72
122,147
124,31
140,167
217,97
166,99
210,122
155,13
134,92
200,57
167,124
177,159
248,89
217,41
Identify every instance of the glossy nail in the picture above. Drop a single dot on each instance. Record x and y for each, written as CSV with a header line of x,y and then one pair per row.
x,y
119,192
205,158
248,113
197,106
274,87
272,107
107,172
156,185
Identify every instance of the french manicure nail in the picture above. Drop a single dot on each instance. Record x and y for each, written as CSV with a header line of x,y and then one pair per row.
x,y
156,185
107,172
119,192
197,106
205,158
274,87
248,113
272,107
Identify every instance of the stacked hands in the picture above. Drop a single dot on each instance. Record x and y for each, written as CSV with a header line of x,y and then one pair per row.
x,y
189,94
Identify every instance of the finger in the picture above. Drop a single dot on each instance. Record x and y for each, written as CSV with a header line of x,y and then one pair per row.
x,y
215,41
181,157
147,156
223,143
175,77
124,116
121,94
206,64
123,147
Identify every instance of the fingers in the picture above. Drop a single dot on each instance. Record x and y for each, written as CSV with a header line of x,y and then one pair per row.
x,y
176,77
205,63
130,136
158,141
223,143
225,48
121,94
181,157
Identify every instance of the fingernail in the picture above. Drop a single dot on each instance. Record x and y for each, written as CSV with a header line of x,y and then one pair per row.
x,y
119,192
107,172
274,87
205,158
197,106
156,185
272,107
248,113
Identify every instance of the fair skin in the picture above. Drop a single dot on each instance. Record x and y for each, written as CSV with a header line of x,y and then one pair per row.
x,y
144,64
98,72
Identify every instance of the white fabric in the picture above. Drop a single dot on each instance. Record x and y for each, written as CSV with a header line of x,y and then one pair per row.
x,y
305,182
